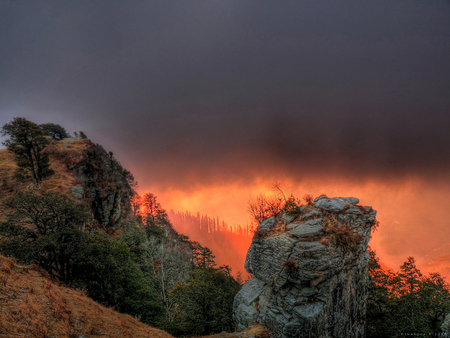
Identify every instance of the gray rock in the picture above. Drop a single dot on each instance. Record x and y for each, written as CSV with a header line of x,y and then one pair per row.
x,y
244,311
353,210
291,226
321,197
331,205
307,229
308,292
312,214
265,257
77,192
267,224
336,204
324,294
70,142
308,311
349,200
445,327
303,208
288,218
65,146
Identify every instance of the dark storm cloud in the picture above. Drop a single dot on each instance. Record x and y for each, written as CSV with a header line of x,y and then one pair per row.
x,y
205,89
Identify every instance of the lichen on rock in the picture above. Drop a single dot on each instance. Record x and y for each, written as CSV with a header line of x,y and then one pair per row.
x,y
309,276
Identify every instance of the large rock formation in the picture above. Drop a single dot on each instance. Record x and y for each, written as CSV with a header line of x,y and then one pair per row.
x,y
310,275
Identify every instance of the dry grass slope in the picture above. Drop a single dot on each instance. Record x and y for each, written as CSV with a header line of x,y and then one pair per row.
x,y
61,182
31,305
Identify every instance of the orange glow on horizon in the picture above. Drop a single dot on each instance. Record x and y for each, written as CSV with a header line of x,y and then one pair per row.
x,y
410,220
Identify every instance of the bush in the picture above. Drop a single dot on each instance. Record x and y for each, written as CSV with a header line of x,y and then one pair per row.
x,y
309,199
290,265
292,206
261,234
264,207
344,237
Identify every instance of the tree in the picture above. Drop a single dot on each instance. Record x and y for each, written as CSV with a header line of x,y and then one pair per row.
x,y
44,212
27,142
405,301
202,256
43,228
55,131
205,303
83,135
152,209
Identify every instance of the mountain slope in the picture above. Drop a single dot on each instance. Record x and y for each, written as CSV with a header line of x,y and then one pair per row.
x,y
31,305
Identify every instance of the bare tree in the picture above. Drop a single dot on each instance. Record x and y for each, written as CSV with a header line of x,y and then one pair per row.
x,y
263,207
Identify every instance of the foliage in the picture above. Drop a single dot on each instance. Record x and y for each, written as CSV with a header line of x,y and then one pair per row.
x,y
405,301
110,186
309,199
27,142
292,206
152,208
290,265
264,207
261,234
43,212
204,303
54,131
46,229
202,256
343,236
40,228
105,269
83,135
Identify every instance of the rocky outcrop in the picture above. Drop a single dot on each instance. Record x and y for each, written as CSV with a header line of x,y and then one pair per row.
x,y
105,183
310,275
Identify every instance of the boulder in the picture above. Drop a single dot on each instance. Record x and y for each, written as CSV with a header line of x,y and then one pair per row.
x,y
77,191
303,283
267,224
445,327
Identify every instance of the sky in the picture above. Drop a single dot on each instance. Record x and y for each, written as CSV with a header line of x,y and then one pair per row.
x,y
210,103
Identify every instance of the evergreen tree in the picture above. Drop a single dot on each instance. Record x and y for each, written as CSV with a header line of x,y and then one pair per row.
x,y
27,142
405,302
55,131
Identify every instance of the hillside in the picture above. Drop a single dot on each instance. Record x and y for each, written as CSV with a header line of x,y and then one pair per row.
x,y
62,181
77,228
34,306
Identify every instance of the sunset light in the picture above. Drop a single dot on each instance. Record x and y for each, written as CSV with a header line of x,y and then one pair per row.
x,y
206,165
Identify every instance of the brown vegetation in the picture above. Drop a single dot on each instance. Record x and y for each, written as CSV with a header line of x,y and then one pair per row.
x,y
290,265
34,306
61,182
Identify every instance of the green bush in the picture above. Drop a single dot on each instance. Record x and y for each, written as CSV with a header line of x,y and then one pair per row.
x,y
292,206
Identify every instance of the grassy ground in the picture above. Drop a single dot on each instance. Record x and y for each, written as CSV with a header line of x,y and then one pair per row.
x,y
31,305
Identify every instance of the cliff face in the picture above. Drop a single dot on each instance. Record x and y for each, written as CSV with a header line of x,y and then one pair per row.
x,y
105,182
309,272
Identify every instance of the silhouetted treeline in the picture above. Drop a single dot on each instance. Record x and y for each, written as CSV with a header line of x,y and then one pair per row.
x,y
206,224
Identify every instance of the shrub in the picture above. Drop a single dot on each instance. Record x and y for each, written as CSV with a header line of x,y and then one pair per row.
x,y
264,207
344,237
290,265
261,234
309,199
292,206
